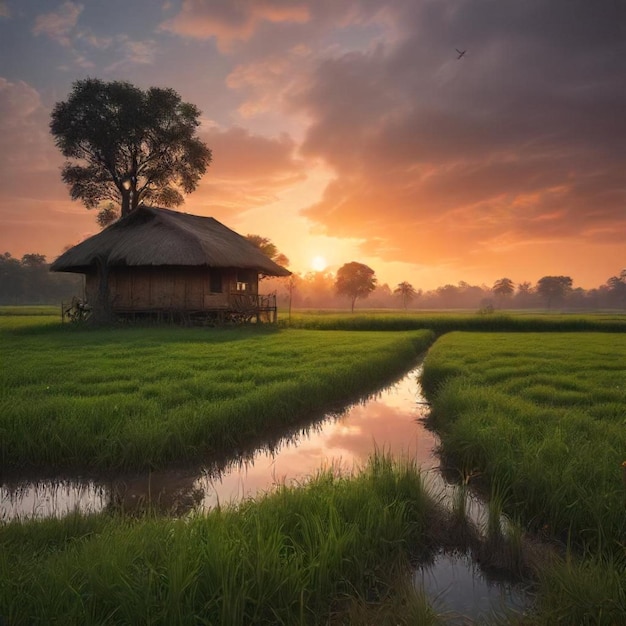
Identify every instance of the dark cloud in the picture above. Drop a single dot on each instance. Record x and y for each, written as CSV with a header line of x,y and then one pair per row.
x,y
523,136
514,152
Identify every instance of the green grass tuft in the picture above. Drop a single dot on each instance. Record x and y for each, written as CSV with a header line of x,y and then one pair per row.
x,y
337,547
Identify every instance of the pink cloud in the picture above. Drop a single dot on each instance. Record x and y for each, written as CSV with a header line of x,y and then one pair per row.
x,y
232,21
267,82
133,52
59,25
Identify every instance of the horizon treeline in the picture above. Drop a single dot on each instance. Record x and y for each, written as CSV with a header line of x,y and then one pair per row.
x,y
317,290
29,281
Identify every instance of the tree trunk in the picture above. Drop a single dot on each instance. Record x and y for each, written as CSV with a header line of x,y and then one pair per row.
x,y
134,196
126,208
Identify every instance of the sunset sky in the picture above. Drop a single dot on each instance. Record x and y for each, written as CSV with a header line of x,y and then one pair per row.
x,y
349,129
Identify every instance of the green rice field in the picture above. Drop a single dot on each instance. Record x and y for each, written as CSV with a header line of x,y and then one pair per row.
x,y
143,397
531,411
443,322
334,551
540,421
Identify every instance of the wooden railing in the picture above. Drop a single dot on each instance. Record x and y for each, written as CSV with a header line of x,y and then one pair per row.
x,y
242,308
249,306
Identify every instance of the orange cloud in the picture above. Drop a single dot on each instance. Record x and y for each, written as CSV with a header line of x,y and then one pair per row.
x,y
437,161
248,171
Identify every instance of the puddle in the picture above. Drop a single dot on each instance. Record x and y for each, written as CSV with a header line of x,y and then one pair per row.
x,y
390,420
461,592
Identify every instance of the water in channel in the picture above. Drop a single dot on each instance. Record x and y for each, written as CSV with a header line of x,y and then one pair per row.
x,y
390,420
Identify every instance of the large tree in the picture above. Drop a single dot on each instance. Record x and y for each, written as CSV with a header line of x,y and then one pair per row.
x,y
127,145
554,288
355,280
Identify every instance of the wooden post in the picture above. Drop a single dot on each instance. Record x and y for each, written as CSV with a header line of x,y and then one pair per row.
x,y
102,308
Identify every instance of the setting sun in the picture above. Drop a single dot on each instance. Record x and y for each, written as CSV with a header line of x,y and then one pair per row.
x,y
319,263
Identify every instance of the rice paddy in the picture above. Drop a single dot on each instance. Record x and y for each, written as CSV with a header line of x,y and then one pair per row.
x,y
542,417
144,397
534,419
334,548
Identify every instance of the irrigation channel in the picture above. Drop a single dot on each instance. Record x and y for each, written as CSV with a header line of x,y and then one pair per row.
x,y
391,420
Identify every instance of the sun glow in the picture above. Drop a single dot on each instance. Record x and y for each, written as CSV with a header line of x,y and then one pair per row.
x,y
319,264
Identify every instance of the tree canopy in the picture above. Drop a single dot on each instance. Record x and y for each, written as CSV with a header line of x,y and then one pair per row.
x,y
269,249
554,288
355,280
406,291
503,287
127,145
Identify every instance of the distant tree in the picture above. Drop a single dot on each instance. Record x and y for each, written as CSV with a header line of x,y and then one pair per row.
x,y
34,260
577,298
382,296
406,291
268,249
128,145
11,279
28,281
472,295
448,295
554,288
524,294
617,289
503,289
355,280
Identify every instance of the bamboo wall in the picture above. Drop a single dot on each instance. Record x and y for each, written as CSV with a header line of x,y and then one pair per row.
x,y
169,288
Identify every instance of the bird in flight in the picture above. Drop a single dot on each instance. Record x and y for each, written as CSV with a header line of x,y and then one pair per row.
x,y
461,53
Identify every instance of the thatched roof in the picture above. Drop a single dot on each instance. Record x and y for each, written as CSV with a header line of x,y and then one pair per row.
x,y
153,236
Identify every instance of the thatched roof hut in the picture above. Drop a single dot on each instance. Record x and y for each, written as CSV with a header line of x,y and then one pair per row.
x,y
153,236
161,260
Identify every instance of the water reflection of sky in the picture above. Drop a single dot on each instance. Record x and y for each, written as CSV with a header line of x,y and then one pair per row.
x,y
460,590
387,421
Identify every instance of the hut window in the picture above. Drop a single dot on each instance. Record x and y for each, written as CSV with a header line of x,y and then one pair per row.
x,y
243,281
215,280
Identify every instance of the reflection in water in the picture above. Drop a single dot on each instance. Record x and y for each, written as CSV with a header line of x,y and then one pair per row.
x,y
458,587
50,498
387,420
